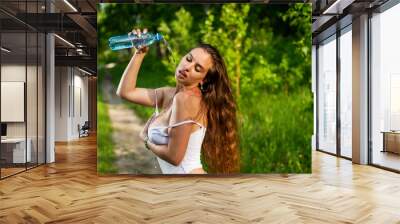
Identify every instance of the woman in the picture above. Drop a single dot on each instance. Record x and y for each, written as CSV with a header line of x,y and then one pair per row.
x,y
198,114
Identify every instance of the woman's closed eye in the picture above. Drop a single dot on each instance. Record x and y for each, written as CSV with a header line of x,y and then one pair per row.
x,y
197,67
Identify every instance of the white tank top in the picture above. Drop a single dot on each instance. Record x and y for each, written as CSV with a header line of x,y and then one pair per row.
x,y
191,159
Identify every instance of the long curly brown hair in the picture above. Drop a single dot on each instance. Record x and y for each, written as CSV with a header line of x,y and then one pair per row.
x,y
220,146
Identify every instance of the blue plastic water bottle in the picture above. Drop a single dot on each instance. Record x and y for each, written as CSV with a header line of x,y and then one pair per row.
x,y
132,40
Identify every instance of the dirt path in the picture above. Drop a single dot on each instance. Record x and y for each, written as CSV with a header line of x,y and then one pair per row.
x,y
132,156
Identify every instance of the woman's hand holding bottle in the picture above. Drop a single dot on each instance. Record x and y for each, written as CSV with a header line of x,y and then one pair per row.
x,y
142,50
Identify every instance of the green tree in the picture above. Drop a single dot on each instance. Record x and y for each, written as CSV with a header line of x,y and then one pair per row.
x,y
297,57
178,34
230,37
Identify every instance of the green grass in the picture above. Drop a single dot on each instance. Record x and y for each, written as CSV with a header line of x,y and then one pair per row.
x,y
275,134
106,160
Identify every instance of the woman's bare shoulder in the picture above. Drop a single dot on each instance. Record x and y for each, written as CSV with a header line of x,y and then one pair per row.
x,y
165,95
189,107
167,90
187,98
188,102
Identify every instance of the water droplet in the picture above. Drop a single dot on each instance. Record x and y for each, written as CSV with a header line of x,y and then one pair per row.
x,y
171,56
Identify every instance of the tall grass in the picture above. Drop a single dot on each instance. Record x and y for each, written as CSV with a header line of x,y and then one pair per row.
x,y
105,146
275,133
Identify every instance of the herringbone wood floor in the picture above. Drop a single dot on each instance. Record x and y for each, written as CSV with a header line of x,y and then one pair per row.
x,y
69,191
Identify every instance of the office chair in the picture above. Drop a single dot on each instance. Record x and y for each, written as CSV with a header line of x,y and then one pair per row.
x,y
84,130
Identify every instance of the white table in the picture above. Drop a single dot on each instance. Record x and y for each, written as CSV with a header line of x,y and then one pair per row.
x,y
19,149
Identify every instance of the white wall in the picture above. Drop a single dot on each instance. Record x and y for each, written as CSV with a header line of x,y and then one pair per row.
x,y
33,127
71,94
61,103
13,73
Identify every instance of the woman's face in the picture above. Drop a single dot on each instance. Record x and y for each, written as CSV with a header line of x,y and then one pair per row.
x,y
193,67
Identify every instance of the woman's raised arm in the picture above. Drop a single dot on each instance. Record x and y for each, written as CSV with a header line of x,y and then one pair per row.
x,y
127,86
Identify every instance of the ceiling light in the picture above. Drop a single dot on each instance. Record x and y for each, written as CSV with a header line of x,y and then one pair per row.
x,y
80,51
5,49
86,72
329,9
337,7
64,40
70,5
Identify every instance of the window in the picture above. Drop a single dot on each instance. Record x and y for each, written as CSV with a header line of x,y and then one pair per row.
x,y
346,92
385,88
327,95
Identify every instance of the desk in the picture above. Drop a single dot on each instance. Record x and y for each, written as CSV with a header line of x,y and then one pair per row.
x,y
17,151
391,141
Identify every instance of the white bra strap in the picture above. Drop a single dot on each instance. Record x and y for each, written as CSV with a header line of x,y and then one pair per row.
x,y
155,92
185,122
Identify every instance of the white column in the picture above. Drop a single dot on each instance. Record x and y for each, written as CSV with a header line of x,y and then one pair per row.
x,y
360,90
50,110
50,93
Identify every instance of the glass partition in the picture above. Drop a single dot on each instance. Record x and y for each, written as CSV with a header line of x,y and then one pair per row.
x,y
22,89
14,153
